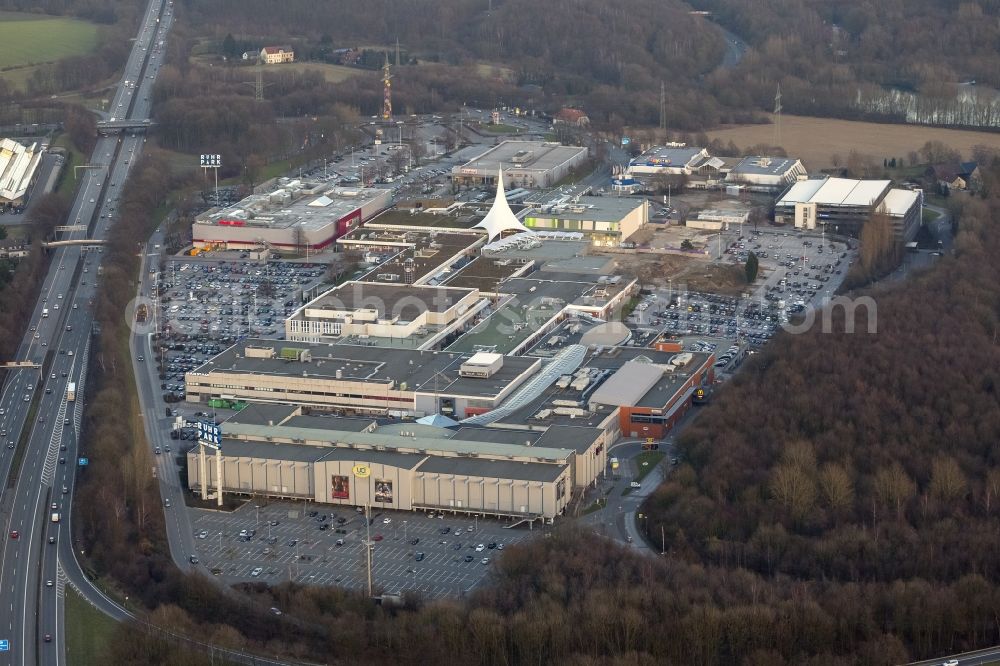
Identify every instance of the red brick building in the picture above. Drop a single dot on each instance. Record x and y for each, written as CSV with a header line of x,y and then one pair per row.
x,y
652,397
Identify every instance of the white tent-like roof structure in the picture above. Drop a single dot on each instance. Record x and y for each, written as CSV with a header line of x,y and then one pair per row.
x,y
500,218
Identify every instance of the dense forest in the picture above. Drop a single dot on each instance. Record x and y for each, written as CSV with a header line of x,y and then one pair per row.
x,y
893,61
609,58
838,58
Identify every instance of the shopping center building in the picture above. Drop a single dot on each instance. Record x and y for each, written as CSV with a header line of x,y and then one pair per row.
x,y
277,451
300,215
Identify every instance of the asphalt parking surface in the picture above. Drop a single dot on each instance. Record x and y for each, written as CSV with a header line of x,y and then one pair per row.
x,y
296,549
206,305
812,269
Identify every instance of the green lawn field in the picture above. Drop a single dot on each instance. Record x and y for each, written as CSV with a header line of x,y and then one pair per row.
x,y
87,631
30,39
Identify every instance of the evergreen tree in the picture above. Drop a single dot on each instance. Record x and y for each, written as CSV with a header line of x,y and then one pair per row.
x,y
751,267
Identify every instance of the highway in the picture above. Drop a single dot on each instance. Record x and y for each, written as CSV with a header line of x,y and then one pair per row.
x,y
37,420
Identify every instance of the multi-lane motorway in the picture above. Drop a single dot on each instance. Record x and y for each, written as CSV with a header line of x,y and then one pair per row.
x,y
37,419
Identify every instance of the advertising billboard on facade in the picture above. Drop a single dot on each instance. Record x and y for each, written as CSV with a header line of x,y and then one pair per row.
x,y
383,491
340,487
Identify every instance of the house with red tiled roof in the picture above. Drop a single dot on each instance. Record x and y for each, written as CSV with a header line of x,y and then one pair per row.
x,y
572,117
273,55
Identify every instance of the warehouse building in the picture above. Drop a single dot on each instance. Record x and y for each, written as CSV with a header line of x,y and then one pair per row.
x,y
673,159
18,167
300,216
279,452
383,314
766,174
527,164
355,379
843,205
604,221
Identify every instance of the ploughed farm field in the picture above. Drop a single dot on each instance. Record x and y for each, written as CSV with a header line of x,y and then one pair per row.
x,y
816,140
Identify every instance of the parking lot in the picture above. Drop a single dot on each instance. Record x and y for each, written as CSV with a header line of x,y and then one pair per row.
x,y
206,305
795,271
437,557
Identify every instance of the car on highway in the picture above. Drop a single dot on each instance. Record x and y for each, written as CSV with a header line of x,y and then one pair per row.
x,y
49,583
14,534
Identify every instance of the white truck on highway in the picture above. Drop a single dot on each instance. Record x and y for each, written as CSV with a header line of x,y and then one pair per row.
x,y
71,392
56,517
45,312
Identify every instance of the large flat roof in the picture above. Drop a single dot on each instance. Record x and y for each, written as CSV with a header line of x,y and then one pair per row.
x,y
760,165
627,386
898,202
484,273
534,302
493,469
264,414
322,422
598,209
836,192
404,301
17,167
575,437
641,377
521,156
426,254
403,441
422,371
310,204
456,218
667,156
241,448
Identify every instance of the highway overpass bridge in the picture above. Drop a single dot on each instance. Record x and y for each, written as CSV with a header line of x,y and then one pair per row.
x,y
74,241
117,126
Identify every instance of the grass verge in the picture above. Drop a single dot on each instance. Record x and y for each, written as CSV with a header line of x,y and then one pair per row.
x,y
88,631
646,461
67,183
